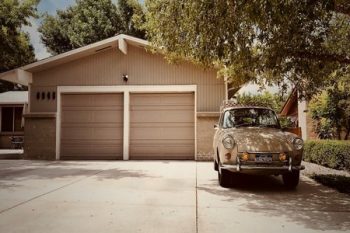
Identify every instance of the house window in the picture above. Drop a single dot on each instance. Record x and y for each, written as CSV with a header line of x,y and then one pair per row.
x,y
11,119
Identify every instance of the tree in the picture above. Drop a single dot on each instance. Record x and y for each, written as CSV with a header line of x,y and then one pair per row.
x,y
266,99
15,48
133,18
89,21
330,111
272,41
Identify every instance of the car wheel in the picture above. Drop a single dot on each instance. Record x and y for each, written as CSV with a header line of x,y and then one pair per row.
x,y
291,179
224,178
216,166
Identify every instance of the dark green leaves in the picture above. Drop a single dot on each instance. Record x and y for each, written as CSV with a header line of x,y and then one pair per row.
x,y
90,21
302,42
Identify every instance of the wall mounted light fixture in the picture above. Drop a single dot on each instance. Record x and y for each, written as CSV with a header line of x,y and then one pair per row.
x,y
125,77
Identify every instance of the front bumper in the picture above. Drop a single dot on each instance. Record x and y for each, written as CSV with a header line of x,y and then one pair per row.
x,y
262,168
270,169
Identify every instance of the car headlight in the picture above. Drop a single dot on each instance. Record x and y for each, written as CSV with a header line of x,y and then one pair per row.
x,y
228,142
298,143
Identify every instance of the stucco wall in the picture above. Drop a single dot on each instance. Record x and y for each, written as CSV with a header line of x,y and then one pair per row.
x,y
40,138
205,135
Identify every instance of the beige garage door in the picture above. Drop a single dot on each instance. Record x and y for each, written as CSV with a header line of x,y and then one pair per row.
x,y
92,126
162,126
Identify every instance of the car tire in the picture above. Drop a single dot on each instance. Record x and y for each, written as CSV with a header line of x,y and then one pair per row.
x,y
291,179
224,178
216,166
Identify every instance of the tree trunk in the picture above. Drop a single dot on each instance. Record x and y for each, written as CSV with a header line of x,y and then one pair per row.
x,y
339,133
347,134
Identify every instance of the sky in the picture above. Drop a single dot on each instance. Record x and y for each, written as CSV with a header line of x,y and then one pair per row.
x,y
45,6
51,6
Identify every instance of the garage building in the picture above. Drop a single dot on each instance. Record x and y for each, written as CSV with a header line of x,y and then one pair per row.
x,y
116,100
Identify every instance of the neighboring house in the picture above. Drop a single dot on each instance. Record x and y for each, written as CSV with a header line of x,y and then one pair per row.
x,y
11,110
115,100
297,112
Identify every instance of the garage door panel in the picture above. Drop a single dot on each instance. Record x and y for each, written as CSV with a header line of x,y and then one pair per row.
x,y
105,133
91,149
161,152
92,100
162,126
161,133
161,107
164,150
162,99
112,116
162,116
92,126
163,142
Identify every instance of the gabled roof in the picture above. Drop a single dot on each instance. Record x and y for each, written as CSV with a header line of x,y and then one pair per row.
x,y
292,100
14,97
23,75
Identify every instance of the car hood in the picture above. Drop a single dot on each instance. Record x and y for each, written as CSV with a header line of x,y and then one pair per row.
x,y
253,139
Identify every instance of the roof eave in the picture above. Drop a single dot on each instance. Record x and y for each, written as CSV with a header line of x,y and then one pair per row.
x,y
23,75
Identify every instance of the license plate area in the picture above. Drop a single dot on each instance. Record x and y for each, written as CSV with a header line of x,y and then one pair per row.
x,y
264,158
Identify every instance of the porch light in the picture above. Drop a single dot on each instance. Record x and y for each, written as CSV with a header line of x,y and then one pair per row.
x,y
125,77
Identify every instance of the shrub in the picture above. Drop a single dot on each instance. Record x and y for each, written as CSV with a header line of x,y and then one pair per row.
x,y
329,153
341,183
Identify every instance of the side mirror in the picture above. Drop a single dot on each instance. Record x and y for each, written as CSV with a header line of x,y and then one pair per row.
x,y
216,126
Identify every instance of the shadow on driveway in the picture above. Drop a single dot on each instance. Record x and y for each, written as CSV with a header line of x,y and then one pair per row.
x,y
311,205
59,170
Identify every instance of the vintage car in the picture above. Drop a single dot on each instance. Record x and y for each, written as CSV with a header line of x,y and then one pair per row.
x,y
249,139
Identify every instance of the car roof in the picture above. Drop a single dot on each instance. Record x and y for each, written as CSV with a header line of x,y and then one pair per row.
x,y
247,106
229,104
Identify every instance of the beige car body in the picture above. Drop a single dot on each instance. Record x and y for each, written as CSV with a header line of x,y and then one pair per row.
x,y
256,141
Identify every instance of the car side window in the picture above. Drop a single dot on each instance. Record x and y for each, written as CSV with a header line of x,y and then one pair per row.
x,y
228,121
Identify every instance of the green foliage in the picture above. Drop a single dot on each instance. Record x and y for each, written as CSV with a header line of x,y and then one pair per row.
x,y
340,183
273,41
90,21
15,48
330,111
329,153
133,17
266,99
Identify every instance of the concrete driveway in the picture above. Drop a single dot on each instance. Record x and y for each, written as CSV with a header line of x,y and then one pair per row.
x,y
158,196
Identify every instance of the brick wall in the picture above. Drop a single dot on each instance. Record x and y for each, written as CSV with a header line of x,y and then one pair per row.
x,y
205,134
40,138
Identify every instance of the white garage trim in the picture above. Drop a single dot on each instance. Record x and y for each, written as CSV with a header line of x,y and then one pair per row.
x,y
126,125
126,90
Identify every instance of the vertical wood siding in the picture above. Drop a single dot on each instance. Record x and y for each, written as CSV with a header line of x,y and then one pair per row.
x,y
143,68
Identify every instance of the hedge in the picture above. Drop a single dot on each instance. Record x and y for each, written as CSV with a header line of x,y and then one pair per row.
x,y
329,153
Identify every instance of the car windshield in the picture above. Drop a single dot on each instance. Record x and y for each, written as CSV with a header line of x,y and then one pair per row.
x,y
257,117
